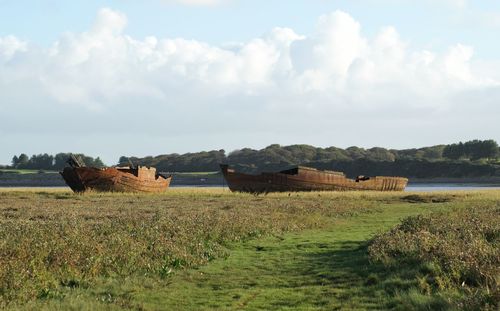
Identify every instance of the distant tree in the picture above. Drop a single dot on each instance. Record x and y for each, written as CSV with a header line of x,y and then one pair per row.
x,y
433,153
380,154
15,161
88,161
487,149
419,154
23,161
276,157
473,150
60,160
491,149
221,156
298,153
356,152
454,151
49,162
406,153
98,162
41,161
273,146
123,160
333,153
470,148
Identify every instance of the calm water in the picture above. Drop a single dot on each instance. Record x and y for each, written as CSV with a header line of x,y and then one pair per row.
x,y
449,187
424,187
428,187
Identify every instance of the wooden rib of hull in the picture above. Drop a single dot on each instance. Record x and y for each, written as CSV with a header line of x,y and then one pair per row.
x,y
307,179
83,179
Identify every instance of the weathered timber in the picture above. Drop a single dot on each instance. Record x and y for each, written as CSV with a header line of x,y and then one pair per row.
x,y
116,179
302,178
75,161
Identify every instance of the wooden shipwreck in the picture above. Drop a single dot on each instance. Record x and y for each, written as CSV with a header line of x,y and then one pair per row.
x,y
117,179
302,178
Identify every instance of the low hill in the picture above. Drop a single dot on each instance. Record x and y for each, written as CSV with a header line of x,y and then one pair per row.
x,y
474,159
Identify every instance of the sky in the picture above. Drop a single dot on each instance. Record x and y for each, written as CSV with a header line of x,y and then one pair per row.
x,y
139,78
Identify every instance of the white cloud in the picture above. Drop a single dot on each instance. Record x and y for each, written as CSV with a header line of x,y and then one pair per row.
x,y
459,4
333,48
98,67
11,45
109,22
326,83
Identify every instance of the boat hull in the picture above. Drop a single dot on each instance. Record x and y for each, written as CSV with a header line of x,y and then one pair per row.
x,y
82,179
308,180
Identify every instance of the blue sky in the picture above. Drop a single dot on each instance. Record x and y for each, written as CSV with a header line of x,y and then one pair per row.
x,y
426,23
195,75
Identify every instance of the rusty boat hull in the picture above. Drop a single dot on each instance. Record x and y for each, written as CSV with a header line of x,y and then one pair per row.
x,y
308,179
141,179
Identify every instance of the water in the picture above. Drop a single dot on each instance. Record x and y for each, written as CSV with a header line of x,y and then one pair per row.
x,y
432,187
424,187
428,187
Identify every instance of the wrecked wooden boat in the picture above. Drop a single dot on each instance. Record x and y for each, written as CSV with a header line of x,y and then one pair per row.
x,y
302,178
116,179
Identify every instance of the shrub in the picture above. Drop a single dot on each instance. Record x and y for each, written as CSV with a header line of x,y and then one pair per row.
x,y
456,250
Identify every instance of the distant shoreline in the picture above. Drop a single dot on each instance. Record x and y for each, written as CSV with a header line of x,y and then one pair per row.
x,y
469,180
209,180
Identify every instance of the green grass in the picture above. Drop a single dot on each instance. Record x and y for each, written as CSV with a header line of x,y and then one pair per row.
x,y
220,251
23,171
27,171
318,269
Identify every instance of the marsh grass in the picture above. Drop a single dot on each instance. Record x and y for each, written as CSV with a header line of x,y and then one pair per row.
x,y
118,250
24,172
320,269
55,239
457,250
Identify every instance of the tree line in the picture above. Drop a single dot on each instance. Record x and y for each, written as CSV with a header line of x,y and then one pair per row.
x,y
276,157
473,150
50,162
477,155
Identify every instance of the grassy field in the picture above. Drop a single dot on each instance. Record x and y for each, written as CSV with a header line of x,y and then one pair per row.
x,y
23,172
211,249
